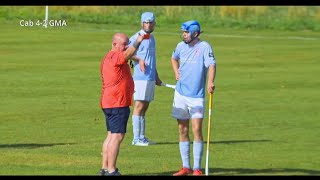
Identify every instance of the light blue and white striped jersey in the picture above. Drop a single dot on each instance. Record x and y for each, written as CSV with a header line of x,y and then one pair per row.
x,y
193,66
147,52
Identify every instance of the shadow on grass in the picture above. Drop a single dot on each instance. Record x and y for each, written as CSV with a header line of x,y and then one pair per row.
x,y
246,172
31,145
222,142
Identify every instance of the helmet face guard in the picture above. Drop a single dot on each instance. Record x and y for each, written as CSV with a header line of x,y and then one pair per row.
x,y
192,27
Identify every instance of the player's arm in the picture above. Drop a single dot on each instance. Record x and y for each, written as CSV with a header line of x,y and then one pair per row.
x,y
141,63
131,51
136,58
211,78
175,67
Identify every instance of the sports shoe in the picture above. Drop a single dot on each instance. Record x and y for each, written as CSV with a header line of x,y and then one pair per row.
x,y
102,172
197,172
183,172
139,143
146,140
142,142
114,173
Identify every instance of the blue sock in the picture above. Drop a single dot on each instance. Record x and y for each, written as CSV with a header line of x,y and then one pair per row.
x,y
197,154
185,153
136,127
142,127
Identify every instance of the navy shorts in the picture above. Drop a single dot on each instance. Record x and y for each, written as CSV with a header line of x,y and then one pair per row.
x,y
117,119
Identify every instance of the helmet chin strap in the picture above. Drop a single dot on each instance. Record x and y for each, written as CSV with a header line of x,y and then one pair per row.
x,y
192,38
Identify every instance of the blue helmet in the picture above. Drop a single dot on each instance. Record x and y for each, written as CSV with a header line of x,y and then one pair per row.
x,y
191,26
148,17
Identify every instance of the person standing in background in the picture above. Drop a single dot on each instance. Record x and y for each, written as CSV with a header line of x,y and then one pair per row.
x,y
145,78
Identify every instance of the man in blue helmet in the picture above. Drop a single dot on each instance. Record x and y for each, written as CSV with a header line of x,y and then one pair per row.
x,y
145,78
192,62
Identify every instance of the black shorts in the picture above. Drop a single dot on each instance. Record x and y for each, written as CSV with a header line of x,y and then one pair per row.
x,y
117,119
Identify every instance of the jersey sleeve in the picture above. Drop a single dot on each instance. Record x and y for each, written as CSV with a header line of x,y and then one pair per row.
x,y
176,53
209,58
132,40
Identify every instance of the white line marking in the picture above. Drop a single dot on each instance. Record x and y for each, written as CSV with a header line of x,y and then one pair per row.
x,y
215,35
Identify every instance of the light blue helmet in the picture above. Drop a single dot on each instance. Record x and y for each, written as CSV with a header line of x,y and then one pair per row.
x,y
191,26
148,17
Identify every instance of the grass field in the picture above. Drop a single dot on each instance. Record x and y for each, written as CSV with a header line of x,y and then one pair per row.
x,y
265,108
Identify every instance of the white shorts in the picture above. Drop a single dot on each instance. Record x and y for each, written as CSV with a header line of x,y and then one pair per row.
x,y
185,108
144,90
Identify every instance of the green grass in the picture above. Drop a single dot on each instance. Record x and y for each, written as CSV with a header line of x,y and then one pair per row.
x,y
265,109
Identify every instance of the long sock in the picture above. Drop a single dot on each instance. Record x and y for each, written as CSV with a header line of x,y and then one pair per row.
x,y
136,127
185,153
197,154
142,127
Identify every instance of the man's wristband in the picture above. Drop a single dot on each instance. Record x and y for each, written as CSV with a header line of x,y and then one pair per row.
x,y
136,44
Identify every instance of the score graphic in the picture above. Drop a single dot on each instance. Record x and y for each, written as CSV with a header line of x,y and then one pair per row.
x,y
52,23
45,22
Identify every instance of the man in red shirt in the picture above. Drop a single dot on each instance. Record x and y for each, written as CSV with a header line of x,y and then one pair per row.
x,y
116,97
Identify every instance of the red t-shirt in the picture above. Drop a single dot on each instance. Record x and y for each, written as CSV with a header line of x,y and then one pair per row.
x,y
117,82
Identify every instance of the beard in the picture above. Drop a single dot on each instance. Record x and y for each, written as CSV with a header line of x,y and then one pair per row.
x,y
148,30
